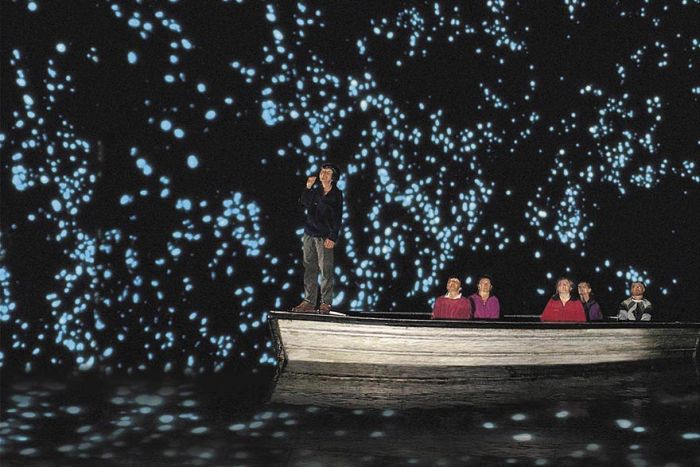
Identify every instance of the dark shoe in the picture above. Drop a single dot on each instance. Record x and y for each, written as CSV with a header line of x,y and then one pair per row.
x,y
324,309
304,307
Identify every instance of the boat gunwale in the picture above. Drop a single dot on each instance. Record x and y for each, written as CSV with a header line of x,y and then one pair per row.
x,y
458,324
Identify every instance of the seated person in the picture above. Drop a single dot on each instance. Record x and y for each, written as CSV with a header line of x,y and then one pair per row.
x,y
590,305
452,305
635,308
562,306
484,305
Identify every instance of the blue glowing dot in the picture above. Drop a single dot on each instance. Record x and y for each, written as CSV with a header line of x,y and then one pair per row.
x,y
166,418
179,133
166,125
201,87
192,161
143,165
61,47
132,57
622,423
56,205
32,6
149,400
210,115
305,140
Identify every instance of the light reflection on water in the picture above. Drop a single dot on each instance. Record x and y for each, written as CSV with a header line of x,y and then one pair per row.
x,y
210,423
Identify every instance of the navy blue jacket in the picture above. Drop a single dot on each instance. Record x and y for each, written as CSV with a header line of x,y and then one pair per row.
x,y
323,213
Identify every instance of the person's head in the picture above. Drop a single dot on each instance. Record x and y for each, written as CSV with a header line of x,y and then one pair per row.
x,y
329,173
564,286
484,285
454,285
584,289
637,288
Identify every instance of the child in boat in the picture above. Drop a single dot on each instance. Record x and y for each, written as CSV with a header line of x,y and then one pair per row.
x,y
452,305
562,306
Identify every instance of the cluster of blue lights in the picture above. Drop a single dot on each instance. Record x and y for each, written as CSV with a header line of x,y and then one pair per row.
x,y
507,160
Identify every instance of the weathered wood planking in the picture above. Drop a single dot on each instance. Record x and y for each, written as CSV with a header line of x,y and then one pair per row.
x,y
401,363
383,342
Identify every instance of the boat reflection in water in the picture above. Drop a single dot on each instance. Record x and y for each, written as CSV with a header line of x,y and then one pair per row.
x,y
641,417
389,363
304,384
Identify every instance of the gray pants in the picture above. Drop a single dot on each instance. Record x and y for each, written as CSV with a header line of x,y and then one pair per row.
x,y
316,258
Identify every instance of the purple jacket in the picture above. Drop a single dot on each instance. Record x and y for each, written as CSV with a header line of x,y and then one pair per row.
x,y
592,309
489,309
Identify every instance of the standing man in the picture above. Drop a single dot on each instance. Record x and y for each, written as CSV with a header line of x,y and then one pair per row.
x,y
324,210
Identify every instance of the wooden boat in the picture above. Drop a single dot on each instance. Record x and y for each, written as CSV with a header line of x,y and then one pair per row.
x,y
376,360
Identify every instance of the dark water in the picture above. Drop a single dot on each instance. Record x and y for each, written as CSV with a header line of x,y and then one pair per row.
x,y
654,420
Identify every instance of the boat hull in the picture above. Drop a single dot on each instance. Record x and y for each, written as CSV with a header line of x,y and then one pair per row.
x,y
342,341
365,362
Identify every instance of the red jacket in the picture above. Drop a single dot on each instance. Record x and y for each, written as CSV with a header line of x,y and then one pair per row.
x,y
452,308
557,311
